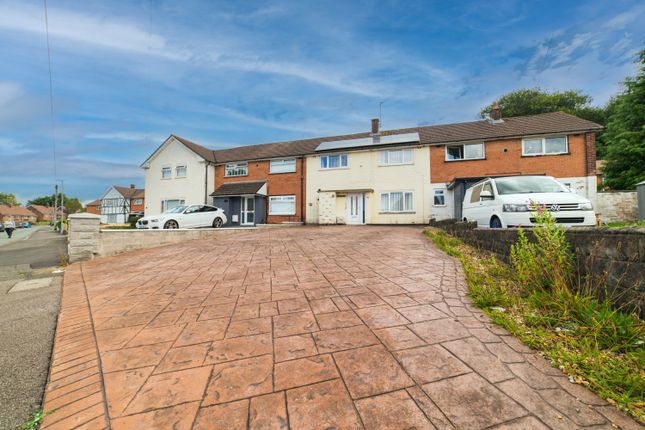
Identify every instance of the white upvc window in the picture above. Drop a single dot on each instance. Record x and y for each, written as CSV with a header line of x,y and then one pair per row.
x,y
466,151
532,146
236,169
439,198
166,172
396,157
181,170
337,161
397,201
166,205
288,165
282,205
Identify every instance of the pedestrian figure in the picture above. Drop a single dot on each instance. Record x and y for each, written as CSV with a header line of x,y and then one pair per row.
x,y
9,226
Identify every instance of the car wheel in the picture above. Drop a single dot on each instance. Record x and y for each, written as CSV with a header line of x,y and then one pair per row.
x,y
495,222
217,222
172,224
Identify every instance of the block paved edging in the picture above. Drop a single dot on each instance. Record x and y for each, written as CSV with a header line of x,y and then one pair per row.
x,y
74,396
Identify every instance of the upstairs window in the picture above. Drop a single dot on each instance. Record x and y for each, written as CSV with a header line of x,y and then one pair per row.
x,y
282,166
166,172
545,145
138,201
333,161
396,157
236,169
468,151
180,171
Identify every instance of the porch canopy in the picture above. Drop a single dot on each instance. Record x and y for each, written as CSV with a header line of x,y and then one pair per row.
x,y
246,188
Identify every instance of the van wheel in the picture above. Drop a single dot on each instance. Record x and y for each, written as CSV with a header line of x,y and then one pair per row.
x,y
217,222
495,222
172,224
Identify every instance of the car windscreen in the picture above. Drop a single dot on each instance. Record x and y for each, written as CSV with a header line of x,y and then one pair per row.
x,y
176,209
528,184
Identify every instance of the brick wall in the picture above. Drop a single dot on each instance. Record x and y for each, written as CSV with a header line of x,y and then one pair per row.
x,y
137,208
617,206
504,157
612,258
278,184
93,210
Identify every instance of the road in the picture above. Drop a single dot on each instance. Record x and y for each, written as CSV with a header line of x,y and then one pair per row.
x,y
29,301
43,248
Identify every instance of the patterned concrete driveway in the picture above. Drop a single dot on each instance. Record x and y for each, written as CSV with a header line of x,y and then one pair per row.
x,y
303,328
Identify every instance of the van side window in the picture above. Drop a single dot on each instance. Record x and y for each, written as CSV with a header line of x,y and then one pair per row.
x,y
488,187
474,197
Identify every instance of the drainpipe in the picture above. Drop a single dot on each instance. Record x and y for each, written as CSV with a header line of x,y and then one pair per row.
x,y
206,183
302,190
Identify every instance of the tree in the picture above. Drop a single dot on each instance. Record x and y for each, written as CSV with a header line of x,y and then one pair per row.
x,y
72,204
8,199
535,101
625,134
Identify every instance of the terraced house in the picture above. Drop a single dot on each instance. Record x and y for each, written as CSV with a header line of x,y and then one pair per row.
x,y
403,176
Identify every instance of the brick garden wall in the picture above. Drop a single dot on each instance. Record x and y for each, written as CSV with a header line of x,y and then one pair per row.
x,y
613,257
617,206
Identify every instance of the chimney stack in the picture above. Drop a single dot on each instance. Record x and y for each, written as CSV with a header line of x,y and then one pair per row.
x,y
375,127
496,112
132,186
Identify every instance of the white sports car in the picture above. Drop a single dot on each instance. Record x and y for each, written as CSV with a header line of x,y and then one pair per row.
x,y
192,216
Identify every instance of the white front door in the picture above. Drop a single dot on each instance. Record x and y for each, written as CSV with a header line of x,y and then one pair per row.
x,y
355,208
248,211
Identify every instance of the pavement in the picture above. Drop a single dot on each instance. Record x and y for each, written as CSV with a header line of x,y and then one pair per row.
x,y
29,300
309,327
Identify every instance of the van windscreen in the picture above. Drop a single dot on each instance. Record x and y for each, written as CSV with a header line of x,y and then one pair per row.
x,y
528,184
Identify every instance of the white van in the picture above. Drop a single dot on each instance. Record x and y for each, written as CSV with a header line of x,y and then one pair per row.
x,y
511,202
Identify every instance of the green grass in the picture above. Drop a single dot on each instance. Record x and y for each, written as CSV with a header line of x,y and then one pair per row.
x,y
640,223
34,421
596,345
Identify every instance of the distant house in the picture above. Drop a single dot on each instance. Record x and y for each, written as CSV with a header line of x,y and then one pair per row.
x,y
118,203
94,207
43,213
17,214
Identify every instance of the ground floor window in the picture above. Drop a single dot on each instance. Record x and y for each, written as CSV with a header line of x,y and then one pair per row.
x,y
166,205
398,201
282,205
439,198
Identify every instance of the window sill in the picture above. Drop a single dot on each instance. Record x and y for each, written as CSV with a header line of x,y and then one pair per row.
x,y
439,206
180,177
397,213
464,159
333,168
293,214
235,176
280,173
545,155
166,179
396,165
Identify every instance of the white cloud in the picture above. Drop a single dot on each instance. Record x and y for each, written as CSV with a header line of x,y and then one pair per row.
x,y
126,135
104,32
11,147
620,21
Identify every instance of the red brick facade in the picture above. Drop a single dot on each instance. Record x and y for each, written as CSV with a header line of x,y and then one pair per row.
x,y
278,184
504,157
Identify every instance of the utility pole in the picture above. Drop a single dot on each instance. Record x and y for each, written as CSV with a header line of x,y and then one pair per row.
x,y
55,204
62,206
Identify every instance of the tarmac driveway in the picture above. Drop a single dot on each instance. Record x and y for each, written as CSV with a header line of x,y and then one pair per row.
x,y
310,327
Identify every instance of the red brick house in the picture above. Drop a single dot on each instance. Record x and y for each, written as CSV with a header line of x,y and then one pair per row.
x,y
94,207
43,213
17,214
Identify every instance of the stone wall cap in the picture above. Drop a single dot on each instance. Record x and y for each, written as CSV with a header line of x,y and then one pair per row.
x,y
84,215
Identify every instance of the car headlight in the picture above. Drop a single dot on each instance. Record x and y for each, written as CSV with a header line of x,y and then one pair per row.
x,y
510,207
586,206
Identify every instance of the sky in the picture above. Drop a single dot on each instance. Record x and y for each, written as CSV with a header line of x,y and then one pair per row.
x,y
126,74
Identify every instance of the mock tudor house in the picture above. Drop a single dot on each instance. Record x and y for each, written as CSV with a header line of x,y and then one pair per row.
x,y
118,203
404,176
